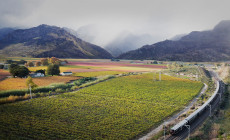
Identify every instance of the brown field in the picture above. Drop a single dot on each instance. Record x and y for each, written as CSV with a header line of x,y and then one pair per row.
x,y
122,64
19,83
3,74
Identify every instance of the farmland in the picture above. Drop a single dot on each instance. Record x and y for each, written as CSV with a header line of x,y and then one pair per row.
x,y
45,67
19,83
97,73
79,67
120,108
3,74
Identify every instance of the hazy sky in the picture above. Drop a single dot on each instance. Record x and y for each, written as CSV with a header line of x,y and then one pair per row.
x,y
160,18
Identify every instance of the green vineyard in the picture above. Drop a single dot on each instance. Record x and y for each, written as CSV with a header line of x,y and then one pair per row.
x,y
120,108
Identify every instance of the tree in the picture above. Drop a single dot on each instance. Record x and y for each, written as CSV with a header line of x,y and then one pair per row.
x,y
155,62
44,62
58,62
22,71
30,83
1,66
38,63
53,69
30,64
9,61
22,62
13,68
66,61
54,60
19,71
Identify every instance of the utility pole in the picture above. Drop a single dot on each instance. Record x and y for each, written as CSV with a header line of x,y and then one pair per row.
x,y
30,92
188,126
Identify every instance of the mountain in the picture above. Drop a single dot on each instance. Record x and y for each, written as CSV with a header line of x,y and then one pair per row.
x,y
5,31
211,45
127,41
177,37
71,31
48,41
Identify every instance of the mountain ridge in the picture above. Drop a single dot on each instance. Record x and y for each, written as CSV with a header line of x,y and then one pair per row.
x,y
46,41
211,45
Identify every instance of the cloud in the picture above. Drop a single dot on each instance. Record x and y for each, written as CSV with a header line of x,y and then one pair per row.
x,y
162,18
17,12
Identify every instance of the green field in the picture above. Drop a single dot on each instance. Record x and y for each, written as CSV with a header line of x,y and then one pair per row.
x,y
120,108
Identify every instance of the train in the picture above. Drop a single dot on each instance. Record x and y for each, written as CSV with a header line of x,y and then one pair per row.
x,y
187,121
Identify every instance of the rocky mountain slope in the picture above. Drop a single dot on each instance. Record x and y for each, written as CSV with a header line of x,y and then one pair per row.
x,y
212,45
5,31
48,41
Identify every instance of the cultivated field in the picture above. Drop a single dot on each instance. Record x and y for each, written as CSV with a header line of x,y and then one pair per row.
x,y
97,73
20,83
62,69
119,66
120,108
79,67
3,74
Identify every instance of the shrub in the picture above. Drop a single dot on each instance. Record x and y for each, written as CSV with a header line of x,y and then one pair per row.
x,y
12,98
59,90
26,96
12,92
74,87
84,80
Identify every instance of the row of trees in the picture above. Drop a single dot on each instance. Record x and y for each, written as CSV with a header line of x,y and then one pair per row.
x,y
22,71
45,62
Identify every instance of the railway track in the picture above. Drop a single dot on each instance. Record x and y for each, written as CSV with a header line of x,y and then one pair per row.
x,y
184,133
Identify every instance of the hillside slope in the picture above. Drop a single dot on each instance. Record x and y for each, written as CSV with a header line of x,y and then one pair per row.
x,y
212,45
48,41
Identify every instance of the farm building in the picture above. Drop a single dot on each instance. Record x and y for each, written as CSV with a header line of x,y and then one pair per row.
x,y
66,73
37,75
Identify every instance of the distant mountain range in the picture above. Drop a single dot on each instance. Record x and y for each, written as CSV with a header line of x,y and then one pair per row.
x,y
122,43
127,41
47,41
211,45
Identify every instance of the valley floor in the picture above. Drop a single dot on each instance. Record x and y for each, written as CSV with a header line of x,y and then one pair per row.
x,y
120,108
